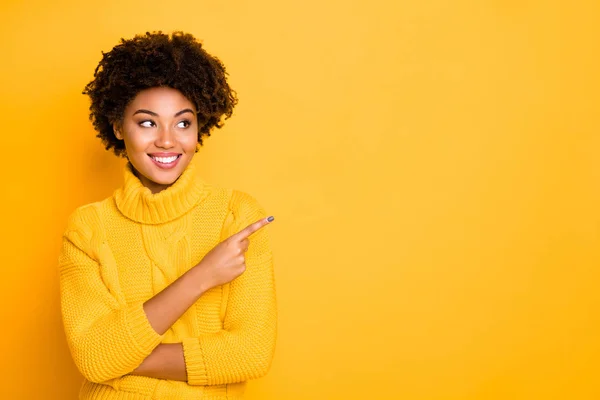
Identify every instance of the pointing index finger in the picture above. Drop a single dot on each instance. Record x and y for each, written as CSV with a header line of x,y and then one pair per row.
x,y
253,227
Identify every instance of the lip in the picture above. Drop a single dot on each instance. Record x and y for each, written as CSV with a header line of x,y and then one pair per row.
x,y
164,154
162,165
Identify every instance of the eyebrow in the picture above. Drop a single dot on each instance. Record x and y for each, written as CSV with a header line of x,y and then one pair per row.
x,y
140,111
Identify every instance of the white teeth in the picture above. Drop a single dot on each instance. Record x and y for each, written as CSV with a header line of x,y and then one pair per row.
x,y
165,160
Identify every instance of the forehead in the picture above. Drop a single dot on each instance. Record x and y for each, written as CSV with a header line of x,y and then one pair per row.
x,y
159,98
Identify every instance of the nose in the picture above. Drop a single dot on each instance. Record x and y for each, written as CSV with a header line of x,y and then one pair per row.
x,y
165,139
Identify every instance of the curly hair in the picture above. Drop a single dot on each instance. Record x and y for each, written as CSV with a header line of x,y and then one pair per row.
x,y
151,60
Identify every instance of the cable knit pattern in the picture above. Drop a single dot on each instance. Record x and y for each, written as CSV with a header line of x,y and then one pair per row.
x,y
119,252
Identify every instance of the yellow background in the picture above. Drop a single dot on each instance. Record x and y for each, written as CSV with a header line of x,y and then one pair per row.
x,y
433,168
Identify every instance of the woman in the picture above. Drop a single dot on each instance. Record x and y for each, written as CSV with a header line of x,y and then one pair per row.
x,y
167,287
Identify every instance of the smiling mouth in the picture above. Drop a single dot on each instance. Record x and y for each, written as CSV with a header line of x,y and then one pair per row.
x,y
165,160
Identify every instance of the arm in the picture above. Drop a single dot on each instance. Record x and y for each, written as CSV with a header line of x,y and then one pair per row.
x,y
109,338
244,348
165,362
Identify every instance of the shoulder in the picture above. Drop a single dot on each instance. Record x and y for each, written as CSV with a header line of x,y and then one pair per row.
x,y
246,209
87,216
81,218
85,223
246,206
242,210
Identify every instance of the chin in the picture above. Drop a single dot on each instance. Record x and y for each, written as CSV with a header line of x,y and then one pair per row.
x,y
158,177
162,180
164,177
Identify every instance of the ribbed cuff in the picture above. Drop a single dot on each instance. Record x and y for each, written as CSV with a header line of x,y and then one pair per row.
x,y
194,362
143,334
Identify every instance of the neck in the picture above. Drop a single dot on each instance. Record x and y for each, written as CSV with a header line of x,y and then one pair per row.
x,y
148,202
153,186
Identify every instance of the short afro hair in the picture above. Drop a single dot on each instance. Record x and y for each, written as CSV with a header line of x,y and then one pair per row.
x,y
152,60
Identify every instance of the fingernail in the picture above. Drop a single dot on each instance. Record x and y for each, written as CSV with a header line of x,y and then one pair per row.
x,y
271,218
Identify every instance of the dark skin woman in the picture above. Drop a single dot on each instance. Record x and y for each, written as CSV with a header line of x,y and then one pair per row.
x,y
153,99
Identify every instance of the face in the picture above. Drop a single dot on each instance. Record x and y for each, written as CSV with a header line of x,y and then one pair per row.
x,y
160,131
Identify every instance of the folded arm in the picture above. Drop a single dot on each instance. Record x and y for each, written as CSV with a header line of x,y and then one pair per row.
x,y
244,348
108,337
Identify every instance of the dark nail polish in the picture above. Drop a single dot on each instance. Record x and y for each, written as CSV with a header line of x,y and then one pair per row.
x,y
271,218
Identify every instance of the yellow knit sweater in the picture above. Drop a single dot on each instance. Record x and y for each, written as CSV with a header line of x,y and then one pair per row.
x,y
119,252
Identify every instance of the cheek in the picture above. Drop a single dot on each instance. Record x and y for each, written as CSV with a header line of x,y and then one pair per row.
x,y
136,141
189,141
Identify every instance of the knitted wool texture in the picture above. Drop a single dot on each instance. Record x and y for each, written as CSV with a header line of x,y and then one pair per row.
x,y
119,252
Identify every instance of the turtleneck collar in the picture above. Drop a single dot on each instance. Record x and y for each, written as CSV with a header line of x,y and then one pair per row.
x,y
138,203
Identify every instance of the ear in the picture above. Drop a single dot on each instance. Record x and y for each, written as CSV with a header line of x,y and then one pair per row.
x,y
117,130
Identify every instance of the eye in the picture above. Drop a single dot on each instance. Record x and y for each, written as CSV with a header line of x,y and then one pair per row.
x,y
184,124
147,124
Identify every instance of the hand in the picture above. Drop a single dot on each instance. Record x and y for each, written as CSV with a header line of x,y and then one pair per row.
x,y
226,261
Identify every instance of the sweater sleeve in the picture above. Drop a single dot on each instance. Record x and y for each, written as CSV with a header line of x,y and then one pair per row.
x,y
107,337
244,348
